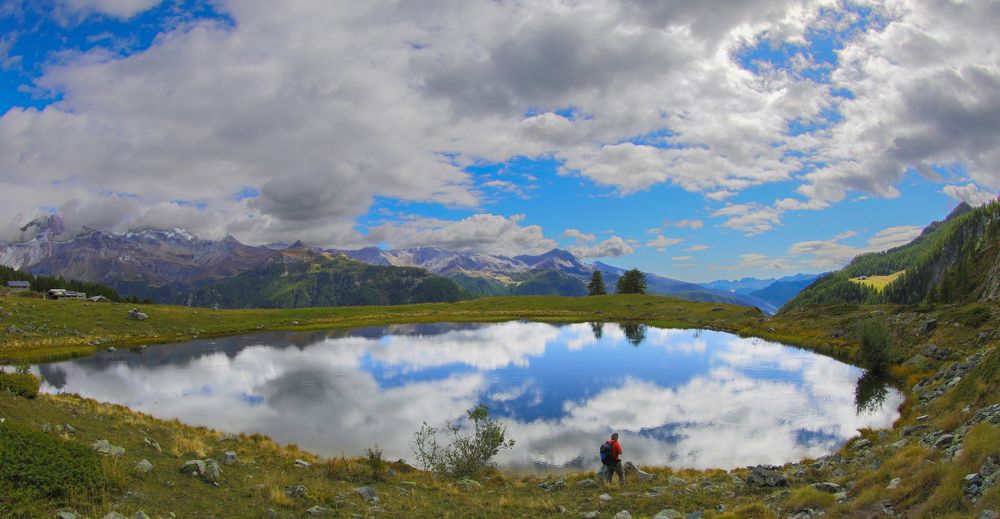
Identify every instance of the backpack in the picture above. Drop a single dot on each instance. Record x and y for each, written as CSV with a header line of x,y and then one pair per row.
x,y
606,457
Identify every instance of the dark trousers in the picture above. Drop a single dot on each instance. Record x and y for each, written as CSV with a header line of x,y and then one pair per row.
x,y
616,468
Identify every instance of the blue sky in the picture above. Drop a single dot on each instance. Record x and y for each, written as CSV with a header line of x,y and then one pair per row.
x,y
784,137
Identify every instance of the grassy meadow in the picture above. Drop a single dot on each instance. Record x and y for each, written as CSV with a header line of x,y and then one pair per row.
x,y
894,470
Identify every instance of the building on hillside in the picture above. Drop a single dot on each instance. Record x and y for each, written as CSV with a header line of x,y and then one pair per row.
x,y
18,286
62,293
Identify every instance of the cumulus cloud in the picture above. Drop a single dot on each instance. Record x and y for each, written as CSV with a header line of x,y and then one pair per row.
x,y
116,8
661,242
609,248
694,224
832,254
488,233
970,194
750,218
579,236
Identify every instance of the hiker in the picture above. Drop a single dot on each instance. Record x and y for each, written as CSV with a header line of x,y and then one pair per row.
x,y
611,453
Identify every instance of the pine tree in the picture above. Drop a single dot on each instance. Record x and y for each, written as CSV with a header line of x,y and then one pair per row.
x,y
596,286
632,282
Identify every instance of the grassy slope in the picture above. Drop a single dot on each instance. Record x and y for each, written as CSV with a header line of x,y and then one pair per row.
x,y
878,282
929,479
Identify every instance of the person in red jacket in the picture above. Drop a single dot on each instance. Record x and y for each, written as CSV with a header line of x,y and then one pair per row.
x,y
615,466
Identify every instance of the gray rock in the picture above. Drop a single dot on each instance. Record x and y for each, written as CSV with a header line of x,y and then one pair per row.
x,y
899,445
316,510
208,470
829,487
841,497
604,497
66,515
894,484
668,514
928,325
989,514
762,476
561,509
550,486
302,463
861,444
636,472
469,484
117,451
135,315
193,468
674,480
589,515
695,515
973,479
152,443
102,447
143,467
213,471
586,483
624,514
296,491
368,494
70,429
944,441
913,429
271,514
140,515
114,515
229,458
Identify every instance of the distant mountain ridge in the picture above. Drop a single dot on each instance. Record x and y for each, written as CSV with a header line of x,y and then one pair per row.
x,y
174,265
956,260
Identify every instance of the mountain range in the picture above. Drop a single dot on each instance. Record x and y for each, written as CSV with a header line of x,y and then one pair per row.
x,y
174,266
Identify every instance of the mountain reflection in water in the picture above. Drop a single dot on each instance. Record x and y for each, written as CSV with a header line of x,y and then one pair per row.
x,y
684,398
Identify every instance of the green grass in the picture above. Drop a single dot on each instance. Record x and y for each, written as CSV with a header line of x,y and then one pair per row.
x,y
878,282
52,330
21,384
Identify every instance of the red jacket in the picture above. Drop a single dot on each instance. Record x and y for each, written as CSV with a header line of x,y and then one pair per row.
x,y
616,450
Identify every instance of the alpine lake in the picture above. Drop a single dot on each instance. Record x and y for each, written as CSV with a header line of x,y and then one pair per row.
x,y
679,398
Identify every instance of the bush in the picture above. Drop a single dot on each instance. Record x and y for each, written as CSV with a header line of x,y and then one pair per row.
x,y
876,346
469,453
45,466
21,384
375,462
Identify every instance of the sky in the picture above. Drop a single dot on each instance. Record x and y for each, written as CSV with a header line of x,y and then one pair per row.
x,y
697,140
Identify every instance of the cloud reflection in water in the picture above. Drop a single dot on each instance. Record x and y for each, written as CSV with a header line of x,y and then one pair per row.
x,y
684,398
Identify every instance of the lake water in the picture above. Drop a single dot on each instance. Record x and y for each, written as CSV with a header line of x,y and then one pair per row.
x,y
684,398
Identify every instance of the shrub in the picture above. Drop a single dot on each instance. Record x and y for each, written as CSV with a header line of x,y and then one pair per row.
x,y
21,384
469,452
45,465
376,463
876,346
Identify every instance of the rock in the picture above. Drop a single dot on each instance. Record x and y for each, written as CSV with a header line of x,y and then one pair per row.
x,y
841,497
586,483
894,484
604,497
114,515
913,429
632,470
928,325
302,464
66,515
899,445
368,494
989,514
828,487
70,429
143,467
695,515
861,444
117,451
972,479
193,468
102,447
674,480
668,514
589,515
917,361
944,441
561,509
140,515
624,514
112,349
296,491
549,486
271,514
136,315
152,443
762,476
316,510
469,484
208,470
229,458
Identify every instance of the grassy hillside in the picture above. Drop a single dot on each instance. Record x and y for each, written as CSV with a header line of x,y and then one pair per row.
x,y
953,261
326,281
911,470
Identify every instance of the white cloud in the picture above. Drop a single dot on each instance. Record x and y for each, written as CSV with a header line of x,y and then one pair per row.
x,y
116,8
611,247
970,194
661,242
579,236
831,254
685,223
682,258
696,248
487,233
750,218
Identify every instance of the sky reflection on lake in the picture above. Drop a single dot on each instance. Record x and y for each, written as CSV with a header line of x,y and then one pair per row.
x,y
683,398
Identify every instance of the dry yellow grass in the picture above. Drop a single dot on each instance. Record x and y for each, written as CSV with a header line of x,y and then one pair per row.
x,y
877,282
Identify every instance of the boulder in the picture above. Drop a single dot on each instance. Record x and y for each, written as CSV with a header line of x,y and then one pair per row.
x,y
944,441
66,515
549,486
604,497
143,467
302,464
828,487
633,471
140,515
114,515
587,483
316,510
102,447
296,491
229,458
589,515
624,514
762,476
136,315
894,484
668,514
469,484
928,325
368,494
208,470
